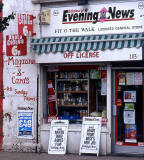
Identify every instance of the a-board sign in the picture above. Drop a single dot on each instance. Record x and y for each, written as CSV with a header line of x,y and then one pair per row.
x,y
90,135
58,137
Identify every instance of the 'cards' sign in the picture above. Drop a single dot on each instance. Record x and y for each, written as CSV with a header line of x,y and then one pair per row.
x,y
25,24
16,45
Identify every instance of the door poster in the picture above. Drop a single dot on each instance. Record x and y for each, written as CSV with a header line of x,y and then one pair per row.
x,y
129,106
129,116
58,137
25,124
122,78
130,78
90,135
138,78
129,96
130,133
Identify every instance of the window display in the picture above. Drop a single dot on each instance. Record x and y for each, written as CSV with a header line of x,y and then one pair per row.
x,y
73,94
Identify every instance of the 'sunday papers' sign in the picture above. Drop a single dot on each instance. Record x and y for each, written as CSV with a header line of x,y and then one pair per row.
x,y
58,137
90,135
111,18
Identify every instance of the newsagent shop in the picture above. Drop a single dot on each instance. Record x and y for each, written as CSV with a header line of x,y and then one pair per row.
x,y
92,61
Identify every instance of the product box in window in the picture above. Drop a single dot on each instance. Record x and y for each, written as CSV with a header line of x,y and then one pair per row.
x,y
130,133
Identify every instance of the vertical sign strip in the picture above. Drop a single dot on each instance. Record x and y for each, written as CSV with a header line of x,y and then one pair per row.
x,y
1,84
116,120
143,105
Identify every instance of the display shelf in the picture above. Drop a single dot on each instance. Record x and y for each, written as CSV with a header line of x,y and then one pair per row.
x,y
70,105
72,93
71,79
78,92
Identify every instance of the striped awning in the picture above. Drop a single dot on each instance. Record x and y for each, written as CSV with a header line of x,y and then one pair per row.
x,y
87,43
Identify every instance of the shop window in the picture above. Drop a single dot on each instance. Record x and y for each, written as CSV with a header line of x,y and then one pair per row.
x,y
74,93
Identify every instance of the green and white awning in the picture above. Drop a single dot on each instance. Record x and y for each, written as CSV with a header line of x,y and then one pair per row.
x,y
87,43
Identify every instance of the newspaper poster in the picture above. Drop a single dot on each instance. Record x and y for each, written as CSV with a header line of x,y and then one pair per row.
x,y
58,137
90,135
25,124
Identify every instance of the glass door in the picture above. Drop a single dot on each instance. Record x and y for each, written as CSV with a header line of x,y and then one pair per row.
x,y
128,112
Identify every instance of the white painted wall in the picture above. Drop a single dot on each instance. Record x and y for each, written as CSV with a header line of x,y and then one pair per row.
x,y
21,95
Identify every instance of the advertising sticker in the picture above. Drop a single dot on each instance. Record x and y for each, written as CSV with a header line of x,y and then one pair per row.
x,y
16,45
25,24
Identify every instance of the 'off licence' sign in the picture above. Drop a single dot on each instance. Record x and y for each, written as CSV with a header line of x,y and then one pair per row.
x,y
16,45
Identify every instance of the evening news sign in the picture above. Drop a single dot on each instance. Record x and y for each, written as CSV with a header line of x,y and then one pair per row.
x,y
90,135
112,18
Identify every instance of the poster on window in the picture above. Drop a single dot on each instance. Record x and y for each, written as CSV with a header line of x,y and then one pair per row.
x,y
25,124
130,133
94,74
129,106
138,78
130,80
58,137
129,96
129,116
104,86
122,78
90,135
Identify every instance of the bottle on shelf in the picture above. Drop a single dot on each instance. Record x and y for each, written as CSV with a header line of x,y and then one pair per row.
x,y
51,100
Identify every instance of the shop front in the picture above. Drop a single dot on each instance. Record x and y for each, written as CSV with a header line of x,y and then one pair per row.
x,y
76,59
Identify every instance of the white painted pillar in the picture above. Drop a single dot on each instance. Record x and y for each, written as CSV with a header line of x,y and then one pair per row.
x,y
109,106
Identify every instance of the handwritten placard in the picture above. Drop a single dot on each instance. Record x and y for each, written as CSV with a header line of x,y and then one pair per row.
x,y
90,135
58,137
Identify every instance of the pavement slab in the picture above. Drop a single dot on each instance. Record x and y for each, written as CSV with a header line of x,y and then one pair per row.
x,y
45,156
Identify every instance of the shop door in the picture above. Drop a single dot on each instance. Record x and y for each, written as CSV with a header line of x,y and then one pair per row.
x,y
128,112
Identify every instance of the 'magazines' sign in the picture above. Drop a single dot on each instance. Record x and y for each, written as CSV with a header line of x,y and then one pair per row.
x,y
124,17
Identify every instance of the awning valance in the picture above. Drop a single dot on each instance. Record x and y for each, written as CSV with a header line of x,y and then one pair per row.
x,y
87,43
